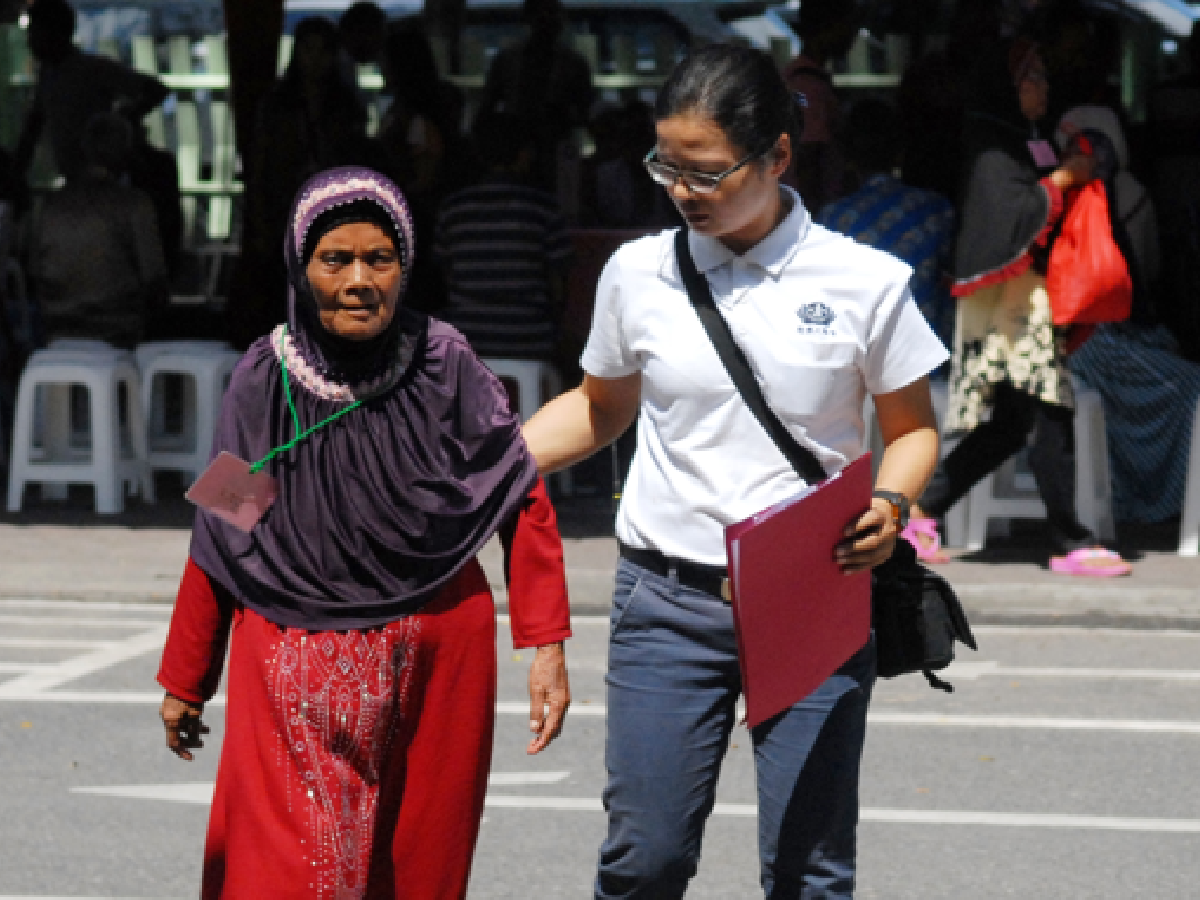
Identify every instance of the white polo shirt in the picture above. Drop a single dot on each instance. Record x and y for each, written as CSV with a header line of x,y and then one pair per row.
x,y
823,320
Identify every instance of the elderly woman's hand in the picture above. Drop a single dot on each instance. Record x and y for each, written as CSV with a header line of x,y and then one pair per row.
x,y
548,687
869,539
181,718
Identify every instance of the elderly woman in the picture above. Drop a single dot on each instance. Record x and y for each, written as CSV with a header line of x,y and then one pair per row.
x,y
362,675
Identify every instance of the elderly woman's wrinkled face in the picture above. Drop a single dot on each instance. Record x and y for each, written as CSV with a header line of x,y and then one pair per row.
x,y
356,275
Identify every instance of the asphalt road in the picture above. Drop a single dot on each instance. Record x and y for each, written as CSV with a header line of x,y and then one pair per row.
x,y
1063,766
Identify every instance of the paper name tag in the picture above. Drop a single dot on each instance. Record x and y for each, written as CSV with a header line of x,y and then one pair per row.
x,y
228,489
1043,154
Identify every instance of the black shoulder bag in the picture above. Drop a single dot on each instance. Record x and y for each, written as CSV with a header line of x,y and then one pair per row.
x,y
915,613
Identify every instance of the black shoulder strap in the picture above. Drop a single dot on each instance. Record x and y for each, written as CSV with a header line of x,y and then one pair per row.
x,y
802,459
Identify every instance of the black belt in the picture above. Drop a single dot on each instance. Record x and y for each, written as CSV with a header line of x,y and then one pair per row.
x,y
709,579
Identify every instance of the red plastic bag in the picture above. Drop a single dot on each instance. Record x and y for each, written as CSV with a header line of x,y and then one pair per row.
x,y
1087,277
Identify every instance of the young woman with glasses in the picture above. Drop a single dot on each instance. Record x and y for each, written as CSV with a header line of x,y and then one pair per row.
x,y
824,321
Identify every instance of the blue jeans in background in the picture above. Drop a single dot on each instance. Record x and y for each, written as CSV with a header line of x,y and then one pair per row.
x,y
673,680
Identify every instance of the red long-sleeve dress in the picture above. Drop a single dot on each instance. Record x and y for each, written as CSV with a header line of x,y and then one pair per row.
x,y
355,763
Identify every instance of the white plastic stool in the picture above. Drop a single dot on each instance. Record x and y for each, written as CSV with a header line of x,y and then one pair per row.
x,y
1189,522
537,382
116,462
1093,486
147,351
205,367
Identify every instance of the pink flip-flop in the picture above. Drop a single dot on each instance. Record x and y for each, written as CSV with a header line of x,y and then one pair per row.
x,y
923,535
1097,562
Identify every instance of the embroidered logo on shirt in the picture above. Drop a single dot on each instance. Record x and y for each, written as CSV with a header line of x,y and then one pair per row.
x,y
816,314
816,318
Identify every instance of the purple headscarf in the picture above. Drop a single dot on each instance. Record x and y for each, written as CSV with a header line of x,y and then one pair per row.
x,y
381,508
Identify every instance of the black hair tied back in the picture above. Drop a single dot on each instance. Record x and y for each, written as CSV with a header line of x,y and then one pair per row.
x,y
741,90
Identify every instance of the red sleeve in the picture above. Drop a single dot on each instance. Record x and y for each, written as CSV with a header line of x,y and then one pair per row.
x,y
536,573
1057,206
195,652
1021,264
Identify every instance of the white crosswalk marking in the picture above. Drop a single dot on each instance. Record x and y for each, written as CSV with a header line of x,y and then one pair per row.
x,y
1029,820
1097,674
895,816
1050,723
78,622
971,670
11,667
499,779
200,793
521,708
197,793
135,698
24,643
1083,631
597,710
91,605
32,684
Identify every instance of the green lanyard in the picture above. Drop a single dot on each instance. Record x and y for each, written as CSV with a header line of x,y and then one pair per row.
x,y
300,435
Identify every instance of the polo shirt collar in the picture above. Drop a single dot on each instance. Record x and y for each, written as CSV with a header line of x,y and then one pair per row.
x,y
771,254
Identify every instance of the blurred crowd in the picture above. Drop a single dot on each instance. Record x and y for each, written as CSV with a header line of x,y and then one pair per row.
x,y
495,236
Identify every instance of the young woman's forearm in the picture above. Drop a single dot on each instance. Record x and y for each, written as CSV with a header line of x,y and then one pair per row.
x,y
574,425
562,432
910,435
908,463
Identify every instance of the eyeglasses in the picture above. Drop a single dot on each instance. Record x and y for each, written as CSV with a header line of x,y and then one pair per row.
x,y
696,182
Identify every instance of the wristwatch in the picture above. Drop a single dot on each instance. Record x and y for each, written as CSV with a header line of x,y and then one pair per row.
x,y
899,504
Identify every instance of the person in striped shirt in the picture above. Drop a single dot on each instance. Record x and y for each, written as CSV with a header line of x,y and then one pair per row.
x,y
503,248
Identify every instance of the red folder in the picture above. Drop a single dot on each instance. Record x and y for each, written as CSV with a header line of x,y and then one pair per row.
x,y
798,618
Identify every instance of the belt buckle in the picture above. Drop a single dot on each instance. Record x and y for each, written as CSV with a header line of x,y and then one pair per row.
x,y
726,590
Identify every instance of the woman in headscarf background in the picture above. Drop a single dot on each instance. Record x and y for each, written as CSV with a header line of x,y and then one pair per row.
x,y
362,674
1149,390
1008,373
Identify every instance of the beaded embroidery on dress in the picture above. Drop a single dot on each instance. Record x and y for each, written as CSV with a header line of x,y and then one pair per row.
x,y
340,698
